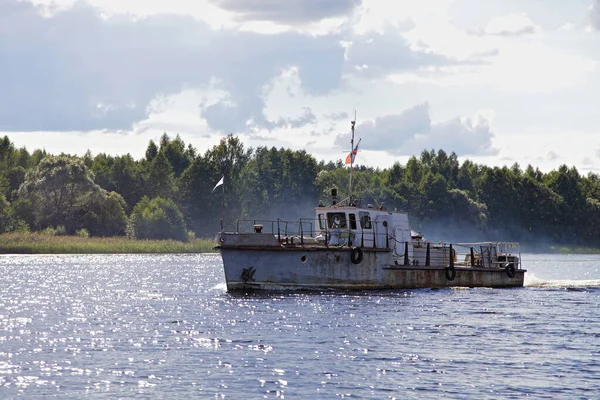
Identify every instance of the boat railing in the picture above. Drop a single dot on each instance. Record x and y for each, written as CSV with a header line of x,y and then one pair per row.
x,y
489,254
417,251
473,255
311,230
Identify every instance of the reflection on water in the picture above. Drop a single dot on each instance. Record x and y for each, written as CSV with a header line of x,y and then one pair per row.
x,y
163,326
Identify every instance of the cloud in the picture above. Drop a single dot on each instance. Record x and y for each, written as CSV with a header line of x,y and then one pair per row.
x,y
515,24
291,12
79,71
342,115
376,54
412,131
594,15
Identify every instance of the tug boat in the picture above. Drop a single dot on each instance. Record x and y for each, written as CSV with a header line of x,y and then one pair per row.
x,y
351,246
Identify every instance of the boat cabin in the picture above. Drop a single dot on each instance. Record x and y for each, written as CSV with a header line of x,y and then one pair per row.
x,y
363,226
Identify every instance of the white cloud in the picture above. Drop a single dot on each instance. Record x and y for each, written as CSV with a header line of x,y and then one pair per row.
x,y
78,71
286,74
402,15
519,65
62,68
411,131
594,15
379,54
511,25
201,10
292,12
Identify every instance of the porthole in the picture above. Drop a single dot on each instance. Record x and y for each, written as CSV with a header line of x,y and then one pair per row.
x,y
303,259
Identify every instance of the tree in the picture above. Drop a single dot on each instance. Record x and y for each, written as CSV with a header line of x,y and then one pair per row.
x,y
228,159
151,151
177,155
161,179
101,166
467,175
279,183
201,207
434,190
414,170
22,213
105,215
127,177
567,183
60,190
157,218
6,222
15,177
539,210
395,174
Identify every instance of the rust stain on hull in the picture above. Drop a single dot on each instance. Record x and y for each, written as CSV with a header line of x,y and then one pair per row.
x,y
312,268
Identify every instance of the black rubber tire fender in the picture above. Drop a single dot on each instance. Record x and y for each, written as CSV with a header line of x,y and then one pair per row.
x,y
356,255
450,272
510,270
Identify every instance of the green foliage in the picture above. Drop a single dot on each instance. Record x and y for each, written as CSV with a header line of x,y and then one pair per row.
x,y
82,233
48,231
161,178
279,182
60,190
94,194
21,227
157,218
41,243
12,164
6,220
15,177
202,207
106,216
177,155
22,213
151,151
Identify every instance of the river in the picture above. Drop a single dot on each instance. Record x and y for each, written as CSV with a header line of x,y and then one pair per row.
x,y
163,326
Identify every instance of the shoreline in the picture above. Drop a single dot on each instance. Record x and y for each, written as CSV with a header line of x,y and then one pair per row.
x,y
43,243
40,243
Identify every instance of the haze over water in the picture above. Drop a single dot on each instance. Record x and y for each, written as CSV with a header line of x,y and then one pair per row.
x,y
158,326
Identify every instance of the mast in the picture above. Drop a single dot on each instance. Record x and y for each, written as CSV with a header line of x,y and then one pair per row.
x,y
352,123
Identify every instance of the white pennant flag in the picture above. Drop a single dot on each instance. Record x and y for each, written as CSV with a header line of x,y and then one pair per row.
x,y
219,183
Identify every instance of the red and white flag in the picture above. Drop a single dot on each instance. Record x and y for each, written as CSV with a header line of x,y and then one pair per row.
x,y
352,155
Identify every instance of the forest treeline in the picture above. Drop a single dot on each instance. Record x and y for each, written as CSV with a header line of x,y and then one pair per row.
x,y
169,193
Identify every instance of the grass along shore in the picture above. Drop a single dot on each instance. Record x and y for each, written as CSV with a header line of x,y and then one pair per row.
x,y
40,243
44,243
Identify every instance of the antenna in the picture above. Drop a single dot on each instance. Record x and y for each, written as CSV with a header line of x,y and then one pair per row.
x,y
352,124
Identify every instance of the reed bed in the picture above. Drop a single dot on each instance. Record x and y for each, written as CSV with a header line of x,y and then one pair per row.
x,y
40,243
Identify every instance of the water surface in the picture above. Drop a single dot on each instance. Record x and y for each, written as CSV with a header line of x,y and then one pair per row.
x,y
158,326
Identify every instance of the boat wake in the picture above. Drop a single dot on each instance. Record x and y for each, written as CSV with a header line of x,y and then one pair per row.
x,y
534,282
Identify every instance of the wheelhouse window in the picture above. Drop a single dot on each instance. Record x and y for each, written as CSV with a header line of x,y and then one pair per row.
x,y
352,218
365,220
321,221
336,220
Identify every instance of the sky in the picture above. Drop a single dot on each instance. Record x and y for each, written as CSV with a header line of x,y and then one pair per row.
x,y
497,82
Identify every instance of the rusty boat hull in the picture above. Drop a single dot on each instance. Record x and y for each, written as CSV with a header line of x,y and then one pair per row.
x,y
259,261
